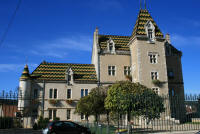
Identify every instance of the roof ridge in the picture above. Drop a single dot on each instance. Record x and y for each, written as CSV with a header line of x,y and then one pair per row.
x,y
114,35
66,63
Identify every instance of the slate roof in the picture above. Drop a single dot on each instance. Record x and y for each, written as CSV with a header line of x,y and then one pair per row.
x,y
57,72
120,42
25,73
142,19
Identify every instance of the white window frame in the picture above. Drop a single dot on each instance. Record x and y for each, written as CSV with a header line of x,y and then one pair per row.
x,y
70,94
152,59
127,70
156,90
152,74
109,43
112,68
84,91
52,113
70,116
53,93
149,26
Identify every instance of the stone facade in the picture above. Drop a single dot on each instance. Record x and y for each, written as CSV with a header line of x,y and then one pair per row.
x,y
145,56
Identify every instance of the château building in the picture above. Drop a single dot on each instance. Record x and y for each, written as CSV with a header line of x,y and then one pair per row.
x,y
146,55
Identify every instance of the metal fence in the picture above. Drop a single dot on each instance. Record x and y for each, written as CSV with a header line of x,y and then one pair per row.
x,y
178,116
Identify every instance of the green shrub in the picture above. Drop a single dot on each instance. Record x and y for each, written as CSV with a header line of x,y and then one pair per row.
x,y
42,123
6,122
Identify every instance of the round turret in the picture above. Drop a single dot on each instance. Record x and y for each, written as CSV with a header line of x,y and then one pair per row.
x,y
24,90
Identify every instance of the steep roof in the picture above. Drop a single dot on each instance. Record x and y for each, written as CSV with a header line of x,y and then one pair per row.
x,y
120,42
57,72
139,28
25,73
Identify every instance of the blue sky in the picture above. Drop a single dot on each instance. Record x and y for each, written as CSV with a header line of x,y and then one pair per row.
x,y
62,31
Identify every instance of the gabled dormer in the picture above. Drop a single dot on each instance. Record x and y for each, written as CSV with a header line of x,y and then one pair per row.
x,y
150,31
111,46
69,76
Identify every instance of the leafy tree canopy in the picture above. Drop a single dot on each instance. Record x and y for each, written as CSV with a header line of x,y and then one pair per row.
x,y
126,96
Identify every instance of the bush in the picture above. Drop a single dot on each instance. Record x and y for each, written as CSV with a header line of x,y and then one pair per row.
x,y
56,119
42,123
6,122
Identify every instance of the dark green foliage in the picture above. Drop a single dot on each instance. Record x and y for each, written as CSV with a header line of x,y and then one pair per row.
x,y
42,123
93,104
125,96
56,119
6,122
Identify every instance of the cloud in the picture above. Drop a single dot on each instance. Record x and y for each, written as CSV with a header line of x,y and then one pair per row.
x,y
194,23
60,47
16,67
180,40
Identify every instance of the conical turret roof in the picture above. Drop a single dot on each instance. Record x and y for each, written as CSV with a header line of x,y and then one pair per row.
x,y
139,28
25,73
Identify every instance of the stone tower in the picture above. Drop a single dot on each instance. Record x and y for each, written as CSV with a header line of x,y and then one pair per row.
x,y
24,90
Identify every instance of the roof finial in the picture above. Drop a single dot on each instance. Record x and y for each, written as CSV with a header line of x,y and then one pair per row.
x,y
145,5
26,60
140,4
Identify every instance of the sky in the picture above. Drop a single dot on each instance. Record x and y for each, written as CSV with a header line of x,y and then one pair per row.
x,y
62,31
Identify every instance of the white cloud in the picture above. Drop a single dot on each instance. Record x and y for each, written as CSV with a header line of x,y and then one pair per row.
x,y
16,67
59,48
180,40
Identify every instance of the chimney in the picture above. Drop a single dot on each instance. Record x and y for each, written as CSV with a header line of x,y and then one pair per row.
x,y
168,38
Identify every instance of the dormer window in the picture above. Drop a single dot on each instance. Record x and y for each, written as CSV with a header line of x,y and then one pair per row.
x,y
69,76
150,34
111,46
150,30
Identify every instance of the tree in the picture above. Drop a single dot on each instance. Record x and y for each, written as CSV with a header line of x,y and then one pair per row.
x,y
93,104
125,97
84,106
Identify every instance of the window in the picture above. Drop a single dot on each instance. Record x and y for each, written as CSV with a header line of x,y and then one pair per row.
x,y
53,93
154,75
69,77
68,114
153,58
35,93
171,92
84,92
69,93
50,93
111,46
156,90
127,70
150,28
170,73
111,70
150,36
52,114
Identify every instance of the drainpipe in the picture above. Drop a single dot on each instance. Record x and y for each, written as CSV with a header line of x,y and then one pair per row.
x,y
43,94
98,69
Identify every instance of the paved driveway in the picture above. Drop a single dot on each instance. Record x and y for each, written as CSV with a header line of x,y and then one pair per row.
x,y
20,131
